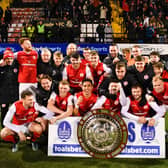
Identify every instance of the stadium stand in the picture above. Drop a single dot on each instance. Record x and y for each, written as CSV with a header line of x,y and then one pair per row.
x,y
142,21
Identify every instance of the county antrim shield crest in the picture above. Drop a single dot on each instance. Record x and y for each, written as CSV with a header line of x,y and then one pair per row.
x,y
102,133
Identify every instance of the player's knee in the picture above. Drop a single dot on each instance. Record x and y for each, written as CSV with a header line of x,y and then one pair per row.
x,y
36,128
4,132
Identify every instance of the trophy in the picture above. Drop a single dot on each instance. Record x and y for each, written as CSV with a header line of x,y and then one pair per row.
x,y
102,133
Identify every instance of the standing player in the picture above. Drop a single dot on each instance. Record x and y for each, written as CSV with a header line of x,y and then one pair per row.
x,y
142,72
76,72
9,87
84,100
138,108
22,120
113,57
125,78
71,48
27,60
137,51
86,55
97,68
61,104
57,67
44,63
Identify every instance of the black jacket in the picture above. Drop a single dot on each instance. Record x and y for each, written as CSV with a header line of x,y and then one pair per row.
x,y
126,82
42,95
57,73
9,87
144,78
44,68
109,61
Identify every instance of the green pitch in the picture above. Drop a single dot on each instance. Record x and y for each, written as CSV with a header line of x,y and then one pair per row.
x,y
26,158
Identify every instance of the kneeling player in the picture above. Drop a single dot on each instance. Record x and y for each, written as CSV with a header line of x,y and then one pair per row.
x,y
138,108
22,122
112,100
84,100
61,104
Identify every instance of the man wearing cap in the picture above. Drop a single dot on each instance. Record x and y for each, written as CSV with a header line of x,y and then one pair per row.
x,y
9,82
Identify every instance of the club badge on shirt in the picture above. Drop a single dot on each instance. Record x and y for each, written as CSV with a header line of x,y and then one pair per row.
x,y
81,75
146,77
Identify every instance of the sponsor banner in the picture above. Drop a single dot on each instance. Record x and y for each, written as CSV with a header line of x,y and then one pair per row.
x,y
101,48
143,141
147,48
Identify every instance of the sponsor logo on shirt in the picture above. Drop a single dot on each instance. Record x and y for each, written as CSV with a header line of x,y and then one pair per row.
x,y
116,102
15,70
145,107
99,72
64,102
125,83
165,97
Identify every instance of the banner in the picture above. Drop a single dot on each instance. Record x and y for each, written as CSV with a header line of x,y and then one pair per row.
x,y
103,49
143,141
147,48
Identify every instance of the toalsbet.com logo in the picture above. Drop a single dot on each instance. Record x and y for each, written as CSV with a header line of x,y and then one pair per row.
x,y
64,131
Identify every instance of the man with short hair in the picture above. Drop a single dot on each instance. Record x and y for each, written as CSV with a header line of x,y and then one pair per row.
x,y
142,72
138,108
85,99
27,60
71,48
160,91
137,51
120,73
22,122
61,104
155,57
158,69
44,63
113,57
57,67
76,72
112,101
86,55
97,68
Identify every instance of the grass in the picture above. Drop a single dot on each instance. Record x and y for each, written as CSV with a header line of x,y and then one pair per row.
x,y
26,158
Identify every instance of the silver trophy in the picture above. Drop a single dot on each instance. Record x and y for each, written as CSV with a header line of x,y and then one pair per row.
x,y
102,133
